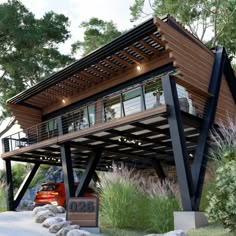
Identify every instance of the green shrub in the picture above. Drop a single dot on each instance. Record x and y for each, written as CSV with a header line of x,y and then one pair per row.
x,y
130,201
121,205
2,197
161,208
222,202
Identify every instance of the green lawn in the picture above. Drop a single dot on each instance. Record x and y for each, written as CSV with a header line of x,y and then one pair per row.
x,y
211,230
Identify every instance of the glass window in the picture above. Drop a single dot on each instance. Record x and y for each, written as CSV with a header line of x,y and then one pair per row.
x,y
112,107
92,114
132,101
153,94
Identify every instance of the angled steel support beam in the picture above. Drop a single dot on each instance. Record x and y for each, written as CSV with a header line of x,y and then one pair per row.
x,y
9,186
159,169
200,159
66,164
67,170
25,184
89,172
178,142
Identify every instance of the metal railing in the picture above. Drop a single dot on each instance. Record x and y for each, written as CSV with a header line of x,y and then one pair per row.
x,y
137,98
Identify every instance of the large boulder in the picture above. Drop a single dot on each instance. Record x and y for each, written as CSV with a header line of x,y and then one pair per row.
x,y
56,227
64,231
78,232
43,215
52,220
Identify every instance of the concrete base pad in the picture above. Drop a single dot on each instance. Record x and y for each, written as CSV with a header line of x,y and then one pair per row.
x,y
93,230
186,220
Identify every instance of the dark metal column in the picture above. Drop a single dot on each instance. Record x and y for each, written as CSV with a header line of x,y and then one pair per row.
x,y
200,160
9,186
25,184
66,164
159,170
89,172
178,142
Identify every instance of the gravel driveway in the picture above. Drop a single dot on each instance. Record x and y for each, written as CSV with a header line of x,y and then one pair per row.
x,y
22,224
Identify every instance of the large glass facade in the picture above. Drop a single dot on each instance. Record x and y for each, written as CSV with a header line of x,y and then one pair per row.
x,y
143,96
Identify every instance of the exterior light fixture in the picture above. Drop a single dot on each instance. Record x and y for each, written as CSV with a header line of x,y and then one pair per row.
x,y
63,101
129,141
139,68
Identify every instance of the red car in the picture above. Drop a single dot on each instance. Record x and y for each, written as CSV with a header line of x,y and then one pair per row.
x,y
54,193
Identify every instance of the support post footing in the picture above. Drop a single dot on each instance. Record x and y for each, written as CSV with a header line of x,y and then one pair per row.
x,y
186,220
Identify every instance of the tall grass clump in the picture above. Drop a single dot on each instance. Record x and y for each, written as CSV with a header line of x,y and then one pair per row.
x,y
122,202
2,197
128,200
222,204
163,200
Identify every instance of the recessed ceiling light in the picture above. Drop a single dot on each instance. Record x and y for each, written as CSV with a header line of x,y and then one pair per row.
x,y
139,68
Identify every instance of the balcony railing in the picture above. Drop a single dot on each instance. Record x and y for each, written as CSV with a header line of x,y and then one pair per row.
x,y
132,100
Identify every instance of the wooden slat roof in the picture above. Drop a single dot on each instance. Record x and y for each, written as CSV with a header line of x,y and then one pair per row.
x,y
127,51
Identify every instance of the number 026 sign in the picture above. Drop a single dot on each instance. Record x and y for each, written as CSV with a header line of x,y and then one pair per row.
x,y
83,211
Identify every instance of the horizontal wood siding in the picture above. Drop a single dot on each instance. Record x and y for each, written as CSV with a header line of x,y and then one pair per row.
x,y
195,64
26,117
226,105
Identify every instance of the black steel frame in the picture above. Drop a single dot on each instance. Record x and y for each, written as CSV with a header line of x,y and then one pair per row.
x,y
178,142
13,202
190,179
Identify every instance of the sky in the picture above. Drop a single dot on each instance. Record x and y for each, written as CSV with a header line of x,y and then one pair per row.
x,y
78,11
81,10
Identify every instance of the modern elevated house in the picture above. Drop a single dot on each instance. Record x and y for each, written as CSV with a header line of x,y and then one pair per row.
x,y
147,99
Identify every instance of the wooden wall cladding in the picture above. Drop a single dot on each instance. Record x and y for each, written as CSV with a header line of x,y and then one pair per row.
x,y
226,106
195,64
26,116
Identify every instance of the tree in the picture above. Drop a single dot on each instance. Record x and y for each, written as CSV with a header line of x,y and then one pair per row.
x,y
202,17
97,33
28,49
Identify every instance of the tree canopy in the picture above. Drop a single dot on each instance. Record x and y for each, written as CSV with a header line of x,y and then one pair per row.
x,y
212,21
96,34
28,48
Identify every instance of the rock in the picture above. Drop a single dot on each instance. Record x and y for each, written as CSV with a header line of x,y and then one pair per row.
x,y
36,210
52,220
78,232
43,215
171,233
56,227
60,209
176,233
50,207
65,230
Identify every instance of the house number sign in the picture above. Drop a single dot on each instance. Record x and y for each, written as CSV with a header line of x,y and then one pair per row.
x,y
83,211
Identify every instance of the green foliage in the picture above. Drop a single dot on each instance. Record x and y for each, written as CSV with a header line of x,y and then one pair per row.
x,y
130,201
39,177
19,171
121,205
160,212
97,33
210,230
222,204
28,47
2,196
201,17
